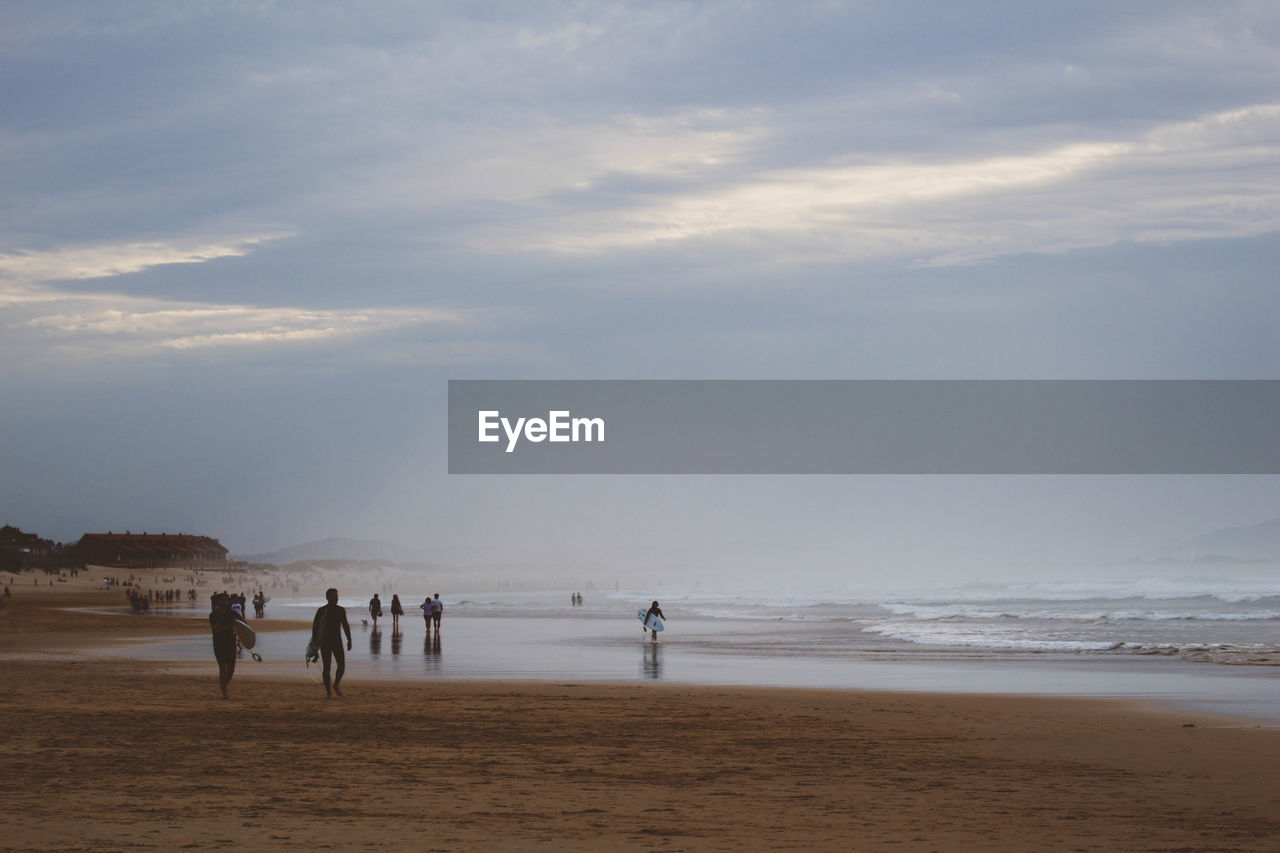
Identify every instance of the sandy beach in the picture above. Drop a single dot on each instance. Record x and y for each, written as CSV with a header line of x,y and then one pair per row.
x,y
132,754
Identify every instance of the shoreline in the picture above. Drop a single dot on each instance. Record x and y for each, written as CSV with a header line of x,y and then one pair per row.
x,y
90,623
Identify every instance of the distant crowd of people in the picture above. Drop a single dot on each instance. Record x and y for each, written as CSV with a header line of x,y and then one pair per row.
x,y
238,603
142,602
135,580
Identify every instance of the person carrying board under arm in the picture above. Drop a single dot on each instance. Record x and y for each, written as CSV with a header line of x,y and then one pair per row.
x,y
222,624
655,610
326,632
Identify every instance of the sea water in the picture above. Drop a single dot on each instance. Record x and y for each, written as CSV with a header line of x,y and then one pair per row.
x,y
1166,639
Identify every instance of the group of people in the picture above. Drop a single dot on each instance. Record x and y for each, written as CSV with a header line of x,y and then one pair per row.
x,y
138,602
327,630
432,610
133,580
141,602
329,627
576,599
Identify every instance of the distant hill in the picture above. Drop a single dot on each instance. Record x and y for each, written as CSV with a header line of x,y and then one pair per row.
x,y
1255,542
340,548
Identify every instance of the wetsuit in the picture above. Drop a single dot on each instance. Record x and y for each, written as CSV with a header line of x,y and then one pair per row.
x,y
221,623
653,611
327,629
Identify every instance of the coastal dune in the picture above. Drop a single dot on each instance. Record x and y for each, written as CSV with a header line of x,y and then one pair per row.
x,y
104,754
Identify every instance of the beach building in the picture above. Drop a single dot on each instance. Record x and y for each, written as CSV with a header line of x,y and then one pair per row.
x,y
149,551
20,550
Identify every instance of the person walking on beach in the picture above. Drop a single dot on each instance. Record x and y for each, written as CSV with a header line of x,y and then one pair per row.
x,y
426,612
437,610
654,610
375,609
222,624
396,612
327,629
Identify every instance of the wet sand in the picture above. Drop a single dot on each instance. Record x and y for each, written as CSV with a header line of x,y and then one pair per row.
x,y
105,754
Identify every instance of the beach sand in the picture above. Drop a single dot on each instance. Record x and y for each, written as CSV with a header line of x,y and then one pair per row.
x,y
120,754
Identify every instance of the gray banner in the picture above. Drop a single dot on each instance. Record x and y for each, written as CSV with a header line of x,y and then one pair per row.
x,y
864,427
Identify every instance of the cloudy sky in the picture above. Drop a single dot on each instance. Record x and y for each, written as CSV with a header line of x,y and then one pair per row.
x,y
245,244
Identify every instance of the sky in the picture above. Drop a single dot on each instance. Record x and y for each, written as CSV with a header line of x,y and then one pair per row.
x,y
244,245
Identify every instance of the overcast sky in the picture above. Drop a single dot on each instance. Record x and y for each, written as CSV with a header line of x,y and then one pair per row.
x,y
244,245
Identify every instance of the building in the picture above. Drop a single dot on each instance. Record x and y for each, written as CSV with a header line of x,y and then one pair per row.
x,y
149,551
20,550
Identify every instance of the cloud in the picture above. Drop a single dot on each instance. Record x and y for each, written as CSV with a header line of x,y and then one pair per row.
x,y
1205,178
102,323
104,260
153,326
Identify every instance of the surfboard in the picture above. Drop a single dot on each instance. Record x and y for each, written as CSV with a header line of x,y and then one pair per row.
x,y
653,623
245,634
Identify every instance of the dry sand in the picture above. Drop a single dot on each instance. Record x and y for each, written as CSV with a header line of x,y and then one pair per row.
x,y
110,754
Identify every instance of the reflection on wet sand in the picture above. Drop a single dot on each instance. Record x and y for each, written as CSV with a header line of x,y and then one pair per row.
x,y
397,638
431,650
651,661
375,643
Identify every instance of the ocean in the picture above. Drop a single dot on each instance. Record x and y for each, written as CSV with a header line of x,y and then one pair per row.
x,y
1197,643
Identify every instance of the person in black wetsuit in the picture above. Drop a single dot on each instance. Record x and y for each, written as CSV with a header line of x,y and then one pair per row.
x,y
655,610
326,632
221,623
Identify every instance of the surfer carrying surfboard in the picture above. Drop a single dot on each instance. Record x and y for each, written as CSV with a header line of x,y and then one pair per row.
x,y
654,611
222,622
327,629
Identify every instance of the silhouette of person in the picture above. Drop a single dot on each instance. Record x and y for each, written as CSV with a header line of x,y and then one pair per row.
x,y
222,625
654,610
327,628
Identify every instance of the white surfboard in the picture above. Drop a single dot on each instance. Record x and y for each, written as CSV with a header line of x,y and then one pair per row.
x,y
245,634
652,623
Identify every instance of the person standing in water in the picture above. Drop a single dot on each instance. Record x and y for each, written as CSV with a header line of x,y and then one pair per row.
x,y
396,612
327,629
655,610
222,624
